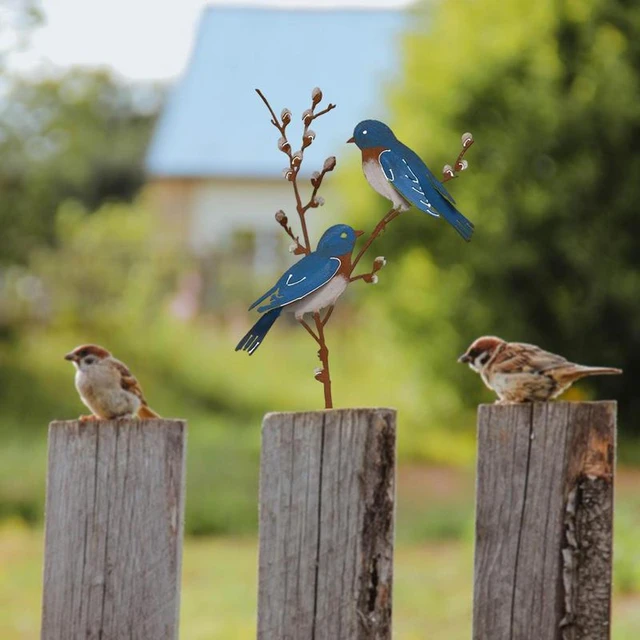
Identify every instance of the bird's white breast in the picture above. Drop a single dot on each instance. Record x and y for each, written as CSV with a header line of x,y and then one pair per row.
x,y
323,297
376,178
99,386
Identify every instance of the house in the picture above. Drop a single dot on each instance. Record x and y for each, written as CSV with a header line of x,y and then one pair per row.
x,y
214,171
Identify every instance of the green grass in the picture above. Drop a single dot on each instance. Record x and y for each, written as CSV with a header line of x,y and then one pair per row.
x,y
433,564
432,590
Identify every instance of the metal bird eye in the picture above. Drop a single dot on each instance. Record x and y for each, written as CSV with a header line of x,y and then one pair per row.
x,y
364,133
343,235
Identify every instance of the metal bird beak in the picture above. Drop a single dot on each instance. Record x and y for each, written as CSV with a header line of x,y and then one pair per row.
x,y
464,358
70,356
351,139
359,233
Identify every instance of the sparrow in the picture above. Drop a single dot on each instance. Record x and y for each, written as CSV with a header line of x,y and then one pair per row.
x,y
520,372
312,284
106,385
397,173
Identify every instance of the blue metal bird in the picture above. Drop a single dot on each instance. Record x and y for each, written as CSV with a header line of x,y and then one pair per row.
x,y
313,283
398,174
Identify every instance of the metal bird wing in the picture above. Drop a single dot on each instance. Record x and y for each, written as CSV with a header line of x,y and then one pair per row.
x,y
412,178
303,278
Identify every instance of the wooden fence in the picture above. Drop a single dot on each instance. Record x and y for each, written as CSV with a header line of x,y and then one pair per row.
x,y
114,522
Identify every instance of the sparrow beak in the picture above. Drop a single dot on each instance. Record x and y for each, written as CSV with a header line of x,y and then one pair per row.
x,y
464,358
350,140
70,356
359,233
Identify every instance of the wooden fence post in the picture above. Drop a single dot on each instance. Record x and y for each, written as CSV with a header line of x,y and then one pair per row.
x,y
114,524
544,515
327,494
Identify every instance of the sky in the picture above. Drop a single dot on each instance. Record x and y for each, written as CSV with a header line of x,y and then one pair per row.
x,y
140,39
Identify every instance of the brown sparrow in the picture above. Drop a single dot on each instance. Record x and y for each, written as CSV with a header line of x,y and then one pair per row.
x,y
520,372
107,386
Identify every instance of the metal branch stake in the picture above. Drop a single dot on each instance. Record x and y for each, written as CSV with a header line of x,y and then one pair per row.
x,y
302,243
291,173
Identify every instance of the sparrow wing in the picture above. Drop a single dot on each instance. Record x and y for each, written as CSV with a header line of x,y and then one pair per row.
x,y
520,357
128,381
303,278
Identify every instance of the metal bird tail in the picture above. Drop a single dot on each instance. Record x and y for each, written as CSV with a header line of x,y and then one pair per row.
x,y
256,334
461,224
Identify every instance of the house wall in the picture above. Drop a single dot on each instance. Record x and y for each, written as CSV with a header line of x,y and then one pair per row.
x,y
208,212
228,225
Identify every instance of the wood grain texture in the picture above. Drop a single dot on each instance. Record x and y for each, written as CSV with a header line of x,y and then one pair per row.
x,y
114,526
544,514
327,495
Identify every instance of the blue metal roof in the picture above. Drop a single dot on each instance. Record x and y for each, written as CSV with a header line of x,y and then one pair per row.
x,y
214,124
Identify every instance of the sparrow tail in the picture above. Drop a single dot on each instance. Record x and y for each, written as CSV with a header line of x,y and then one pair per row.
x,y
146,413
461,224
582,371
256,334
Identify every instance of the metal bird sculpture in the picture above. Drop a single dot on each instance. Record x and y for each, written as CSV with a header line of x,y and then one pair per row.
x,y
312,284
397,173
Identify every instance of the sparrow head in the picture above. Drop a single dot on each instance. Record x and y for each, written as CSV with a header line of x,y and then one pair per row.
x,y
372,133
337,240
87,355
480,352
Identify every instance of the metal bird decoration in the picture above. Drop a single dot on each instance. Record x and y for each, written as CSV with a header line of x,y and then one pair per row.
x,y
317,280
312,284
397,173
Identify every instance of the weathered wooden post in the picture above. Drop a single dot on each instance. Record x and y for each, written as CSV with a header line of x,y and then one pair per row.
x,y
544,516
114,524
327,494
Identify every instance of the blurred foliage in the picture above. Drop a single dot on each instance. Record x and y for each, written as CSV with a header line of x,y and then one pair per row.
x,y
82,135
554,110
551,92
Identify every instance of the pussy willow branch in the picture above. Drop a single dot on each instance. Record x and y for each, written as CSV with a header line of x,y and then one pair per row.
x,y
448,173
295,163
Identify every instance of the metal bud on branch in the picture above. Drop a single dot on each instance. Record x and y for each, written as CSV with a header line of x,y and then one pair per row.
x,y
285,116
308,138
329,164
284,145
379,262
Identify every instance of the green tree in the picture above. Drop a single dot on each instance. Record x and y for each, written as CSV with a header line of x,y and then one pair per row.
x,y
81,136
551,92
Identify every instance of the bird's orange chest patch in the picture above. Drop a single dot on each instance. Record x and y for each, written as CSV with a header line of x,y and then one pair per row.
x,y
345,266
372,154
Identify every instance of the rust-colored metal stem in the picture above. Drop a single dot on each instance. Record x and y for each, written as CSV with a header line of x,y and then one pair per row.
x,y
387,218
323,355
